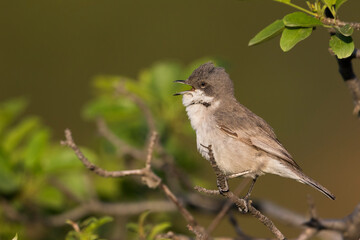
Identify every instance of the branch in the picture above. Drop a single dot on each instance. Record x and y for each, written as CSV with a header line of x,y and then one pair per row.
x,y
148,176
345,64
338,23
348,227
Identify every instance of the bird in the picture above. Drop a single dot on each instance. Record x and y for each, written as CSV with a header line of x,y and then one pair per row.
x,y
243,144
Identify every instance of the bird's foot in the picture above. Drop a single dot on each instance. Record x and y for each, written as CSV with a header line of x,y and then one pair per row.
x,y
243,205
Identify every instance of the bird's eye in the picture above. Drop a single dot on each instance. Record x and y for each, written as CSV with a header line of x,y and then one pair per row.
x,y
203,84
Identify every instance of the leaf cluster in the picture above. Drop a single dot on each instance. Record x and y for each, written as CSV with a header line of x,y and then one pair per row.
x,y
145,231
297,26
35,169
87,229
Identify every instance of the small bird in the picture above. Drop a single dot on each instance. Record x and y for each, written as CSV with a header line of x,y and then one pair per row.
x,y
243,144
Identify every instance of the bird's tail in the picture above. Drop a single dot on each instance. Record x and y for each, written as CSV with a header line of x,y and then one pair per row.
x,y
311,182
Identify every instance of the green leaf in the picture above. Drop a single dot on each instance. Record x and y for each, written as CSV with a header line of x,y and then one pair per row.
x,y
142,219
133,227
9,180
339,3
16,237
346,30
270,31
50,197
342,46
35,148
300,19
291,36
283,1
10,110
159,228
329,3
93,224
18,133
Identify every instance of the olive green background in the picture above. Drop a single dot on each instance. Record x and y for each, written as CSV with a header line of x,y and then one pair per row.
x,y
51,50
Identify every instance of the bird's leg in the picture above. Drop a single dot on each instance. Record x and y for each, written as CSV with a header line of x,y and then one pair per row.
x,y
221,179
251,188
222,185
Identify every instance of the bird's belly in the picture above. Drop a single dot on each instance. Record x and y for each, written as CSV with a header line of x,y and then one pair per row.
x,y
231,155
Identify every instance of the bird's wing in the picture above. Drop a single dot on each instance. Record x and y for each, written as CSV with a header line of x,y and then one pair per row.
x,y
252,130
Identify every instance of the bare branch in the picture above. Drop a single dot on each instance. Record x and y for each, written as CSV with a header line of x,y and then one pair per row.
x,y
338,23
307,234
348,228
150,150
99,171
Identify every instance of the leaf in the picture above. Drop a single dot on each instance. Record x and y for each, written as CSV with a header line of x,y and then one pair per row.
x,y
300,19
268,32
10,110
339,3
16,237
291,36
50,197
142,219
329,3
35,148
157,229
9,180
341,45
18,133
346,30
93,224
283,1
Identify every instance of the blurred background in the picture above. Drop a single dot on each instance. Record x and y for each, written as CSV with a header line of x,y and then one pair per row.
x,y
51,52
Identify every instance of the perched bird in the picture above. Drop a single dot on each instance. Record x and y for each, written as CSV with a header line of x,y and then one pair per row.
x,y
243,144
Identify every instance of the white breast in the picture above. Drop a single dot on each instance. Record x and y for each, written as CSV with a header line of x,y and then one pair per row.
x,y
201,118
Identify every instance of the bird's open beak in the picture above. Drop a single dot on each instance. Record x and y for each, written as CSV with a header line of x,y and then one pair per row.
x,y
183,92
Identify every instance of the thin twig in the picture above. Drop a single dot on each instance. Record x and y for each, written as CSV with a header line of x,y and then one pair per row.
x,y
150,150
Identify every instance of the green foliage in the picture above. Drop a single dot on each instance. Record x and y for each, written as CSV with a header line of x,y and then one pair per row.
x,y
341,45
28,160
86,230
297,26
267,33
291,36
37,174
300,19
154,89
147,231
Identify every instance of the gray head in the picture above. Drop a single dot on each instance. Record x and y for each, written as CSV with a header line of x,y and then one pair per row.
x,y
212,81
